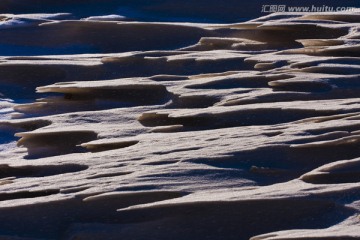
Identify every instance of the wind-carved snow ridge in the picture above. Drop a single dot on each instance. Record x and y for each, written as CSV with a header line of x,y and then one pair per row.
x,y
143,130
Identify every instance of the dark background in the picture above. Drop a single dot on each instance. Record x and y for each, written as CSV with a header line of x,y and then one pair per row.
x,y
222,11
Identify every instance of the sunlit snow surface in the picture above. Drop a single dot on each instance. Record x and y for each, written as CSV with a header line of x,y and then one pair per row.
x,y
169,120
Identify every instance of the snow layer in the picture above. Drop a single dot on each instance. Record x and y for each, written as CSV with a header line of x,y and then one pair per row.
x,y
180,130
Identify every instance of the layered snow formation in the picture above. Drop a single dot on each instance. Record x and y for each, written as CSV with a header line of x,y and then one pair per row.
x,y
113,128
